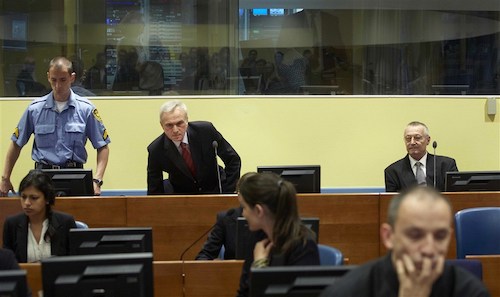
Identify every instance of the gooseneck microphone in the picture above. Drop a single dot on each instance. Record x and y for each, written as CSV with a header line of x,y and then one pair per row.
x,y
434,145
215,145
228,213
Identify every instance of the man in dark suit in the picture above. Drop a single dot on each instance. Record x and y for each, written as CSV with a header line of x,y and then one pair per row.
x,y
223,234
186,151
404,173
417,234
8,260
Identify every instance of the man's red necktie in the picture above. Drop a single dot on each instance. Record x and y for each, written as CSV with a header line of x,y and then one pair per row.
x,y
186,155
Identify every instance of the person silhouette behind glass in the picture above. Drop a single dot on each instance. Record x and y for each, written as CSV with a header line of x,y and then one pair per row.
x,y
96,75
26,84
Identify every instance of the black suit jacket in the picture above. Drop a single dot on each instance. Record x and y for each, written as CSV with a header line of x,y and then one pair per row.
x,y
223,233
163,156
399,175
15,234
8,260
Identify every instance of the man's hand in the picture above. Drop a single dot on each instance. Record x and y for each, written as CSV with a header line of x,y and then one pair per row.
x,y
5,187
415,282
97,189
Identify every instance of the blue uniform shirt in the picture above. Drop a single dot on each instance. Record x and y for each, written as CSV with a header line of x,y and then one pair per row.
x,y
61,137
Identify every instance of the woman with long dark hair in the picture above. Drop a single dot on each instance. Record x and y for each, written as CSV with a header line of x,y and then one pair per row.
x,y
270,207
38,232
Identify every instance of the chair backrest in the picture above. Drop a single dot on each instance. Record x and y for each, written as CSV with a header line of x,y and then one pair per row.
x,y
477,231
81,225
222,252
329,255
472,265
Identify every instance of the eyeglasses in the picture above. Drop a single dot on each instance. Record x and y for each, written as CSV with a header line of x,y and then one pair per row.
x,y
179,124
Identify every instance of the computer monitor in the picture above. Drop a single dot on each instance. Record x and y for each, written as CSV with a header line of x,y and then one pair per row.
x,y
465,181
294,281
306,178
115,275
72,182
13,283
110,240
246,239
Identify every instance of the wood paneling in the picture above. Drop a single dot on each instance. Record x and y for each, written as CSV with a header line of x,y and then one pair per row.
x,y
171,278
177,221
491,272
349,222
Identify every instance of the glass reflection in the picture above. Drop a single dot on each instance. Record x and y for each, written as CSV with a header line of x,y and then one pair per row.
x,y
155,47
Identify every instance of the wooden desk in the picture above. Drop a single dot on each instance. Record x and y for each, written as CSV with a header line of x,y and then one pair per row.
x,y
201,278
177,221
491,272
96,212
34,276
349,222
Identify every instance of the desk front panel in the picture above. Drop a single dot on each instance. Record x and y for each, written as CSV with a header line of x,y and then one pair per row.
x,y
177,221
348,222
171,278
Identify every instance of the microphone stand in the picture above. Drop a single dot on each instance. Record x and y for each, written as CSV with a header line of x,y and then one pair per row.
x,y
183,274
215,145
434,145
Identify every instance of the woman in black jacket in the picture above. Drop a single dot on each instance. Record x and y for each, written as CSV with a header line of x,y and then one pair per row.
x,y
38,232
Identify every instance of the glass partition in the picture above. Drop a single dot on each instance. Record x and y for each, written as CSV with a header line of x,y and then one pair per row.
x,y
253,47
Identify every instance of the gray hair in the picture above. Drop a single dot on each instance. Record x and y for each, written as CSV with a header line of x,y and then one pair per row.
x,y
170,106
416,124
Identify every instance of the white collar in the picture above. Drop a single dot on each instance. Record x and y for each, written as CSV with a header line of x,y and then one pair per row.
x,y
184,140
423,161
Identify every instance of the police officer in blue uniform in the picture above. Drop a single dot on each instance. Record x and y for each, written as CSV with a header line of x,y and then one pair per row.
x,y
61,122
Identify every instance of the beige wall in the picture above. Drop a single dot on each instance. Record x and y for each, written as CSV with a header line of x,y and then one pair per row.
x,y
352,138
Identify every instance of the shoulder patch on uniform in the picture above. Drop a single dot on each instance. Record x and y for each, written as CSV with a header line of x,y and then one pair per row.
x,y
16,132
96,115
105,134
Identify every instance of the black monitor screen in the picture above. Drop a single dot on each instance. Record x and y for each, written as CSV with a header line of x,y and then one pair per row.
x,y
110,240
246,239
465,181
72,182
303,281
13,283
117,275
306,179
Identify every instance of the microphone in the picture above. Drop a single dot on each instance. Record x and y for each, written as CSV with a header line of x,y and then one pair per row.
x,y
228,213
434,145
215,145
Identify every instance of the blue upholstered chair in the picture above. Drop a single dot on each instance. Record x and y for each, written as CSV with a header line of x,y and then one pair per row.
x,y
329,255
477,231
472,265
221,252
81,225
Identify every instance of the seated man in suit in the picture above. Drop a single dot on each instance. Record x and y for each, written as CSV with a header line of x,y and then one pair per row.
x,y
417,235
186,151
223,234
417,167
